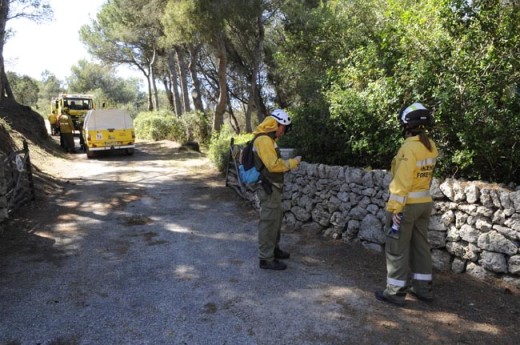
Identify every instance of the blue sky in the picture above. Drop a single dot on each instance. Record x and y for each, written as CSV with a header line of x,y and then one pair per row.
x,y
36,47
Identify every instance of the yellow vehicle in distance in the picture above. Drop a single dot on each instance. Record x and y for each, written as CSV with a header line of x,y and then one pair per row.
x,y
75,105
108,130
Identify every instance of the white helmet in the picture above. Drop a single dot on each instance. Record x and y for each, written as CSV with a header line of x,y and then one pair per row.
x,y
281,117
414,116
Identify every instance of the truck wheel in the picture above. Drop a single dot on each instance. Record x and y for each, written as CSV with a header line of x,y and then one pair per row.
x,y
129,152
90,154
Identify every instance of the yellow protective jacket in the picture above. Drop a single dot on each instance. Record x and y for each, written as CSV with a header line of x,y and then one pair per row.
x,y
52,119
66,124
267,151
412,172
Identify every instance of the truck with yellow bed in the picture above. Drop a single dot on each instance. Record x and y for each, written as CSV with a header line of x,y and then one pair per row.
x,y
108,130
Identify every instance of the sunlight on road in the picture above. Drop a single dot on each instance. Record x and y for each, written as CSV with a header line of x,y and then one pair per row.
x,y
453,319
185,272
176,228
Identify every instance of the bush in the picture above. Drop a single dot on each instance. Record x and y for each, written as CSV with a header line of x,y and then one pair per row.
x,y
317,138
458,58
161,125
198,127
220,144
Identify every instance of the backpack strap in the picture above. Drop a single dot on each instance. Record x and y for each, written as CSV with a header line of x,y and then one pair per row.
x,y
252,143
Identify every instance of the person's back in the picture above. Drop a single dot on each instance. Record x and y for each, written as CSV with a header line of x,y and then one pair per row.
x,y
412,168
53,122
52,119
65,124
409,207
66,133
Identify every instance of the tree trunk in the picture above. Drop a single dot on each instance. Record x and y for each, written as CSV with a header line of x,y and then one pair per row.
x,y
218,118
250,103
174,76
257,57
146,74
183,72
261,107
232,118
149,81
194,55
155,98
168,90
5,88
155,93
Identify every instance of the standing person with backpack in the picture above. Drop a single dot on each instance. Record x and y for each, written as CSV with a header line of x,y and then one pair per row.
x,y
408,256
272,167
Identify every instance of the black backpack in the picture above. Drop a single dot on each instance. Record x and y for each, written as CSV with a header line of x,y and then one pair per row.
x,y
247,170
247,158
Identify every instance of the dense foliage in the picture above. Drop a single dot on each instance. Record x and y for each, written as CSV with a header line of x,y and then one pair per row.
x,y
459,60
163,125
25,89
220,145
160,126
197,126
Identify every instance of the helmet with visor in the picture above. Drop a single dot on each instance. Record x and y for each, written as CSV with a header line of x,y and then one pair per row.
x,y
415,116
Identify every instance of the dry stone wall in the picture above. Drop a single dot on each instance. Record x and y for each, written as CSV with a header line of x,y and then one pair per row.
x,y
474,227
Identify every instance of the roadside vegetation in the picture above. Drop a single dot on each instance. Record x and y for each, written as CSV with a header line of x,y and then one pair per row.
x,y
342,68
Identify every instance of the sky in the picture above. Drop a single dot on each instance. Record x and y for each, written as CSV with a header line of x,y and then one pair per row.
x,y
54,45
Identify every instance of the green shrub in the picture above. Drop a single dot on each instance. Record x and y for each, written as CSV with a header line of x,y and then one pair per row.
x,y
161,125
198,127
220,144
317,138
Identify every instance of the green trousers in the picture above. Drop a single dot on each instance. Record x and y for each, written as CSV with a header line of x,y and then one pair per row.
x,y
270,223
67,141
408,257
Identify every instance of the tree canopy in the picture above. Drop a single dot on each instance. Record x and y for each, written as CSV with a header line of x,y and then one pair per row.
x,y
36,10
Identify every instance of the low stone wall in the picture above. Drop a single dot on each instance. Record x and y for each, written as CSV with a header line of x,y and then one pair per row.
x,y
474,227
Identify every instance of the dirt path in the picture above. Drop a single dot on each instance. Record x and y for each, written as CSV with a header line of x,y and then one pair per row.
x,y
153,249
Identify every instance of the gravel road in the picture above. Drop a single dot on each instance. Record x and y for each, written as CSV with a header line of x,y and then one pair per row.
x,y
154,249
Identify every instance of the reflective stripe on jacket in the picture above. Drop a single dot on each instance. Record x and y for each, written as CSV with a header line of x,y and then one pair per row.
x,y
412,172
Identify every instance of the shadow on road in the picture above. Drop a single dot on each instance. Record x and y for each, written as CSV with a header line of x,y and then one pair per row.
x,y
154,248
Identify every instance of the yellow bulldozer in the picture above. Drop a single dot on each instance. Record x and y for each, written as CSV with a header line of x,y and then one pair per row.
x,y
74,105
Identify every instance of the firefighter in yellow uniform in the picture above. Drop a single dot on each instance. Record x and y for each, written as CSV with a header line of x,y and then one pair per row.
x,y
272,167
66,133
54,126
408,255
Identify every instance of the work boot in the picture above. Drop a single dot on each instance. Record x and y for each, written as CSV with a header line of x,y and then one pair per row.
x,y
272,265
280,254
381,296
427,299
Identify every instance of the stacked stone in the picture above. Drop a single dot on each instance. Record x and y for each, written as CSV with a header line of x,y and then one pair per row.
x,y
341,201
479,226
474,228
